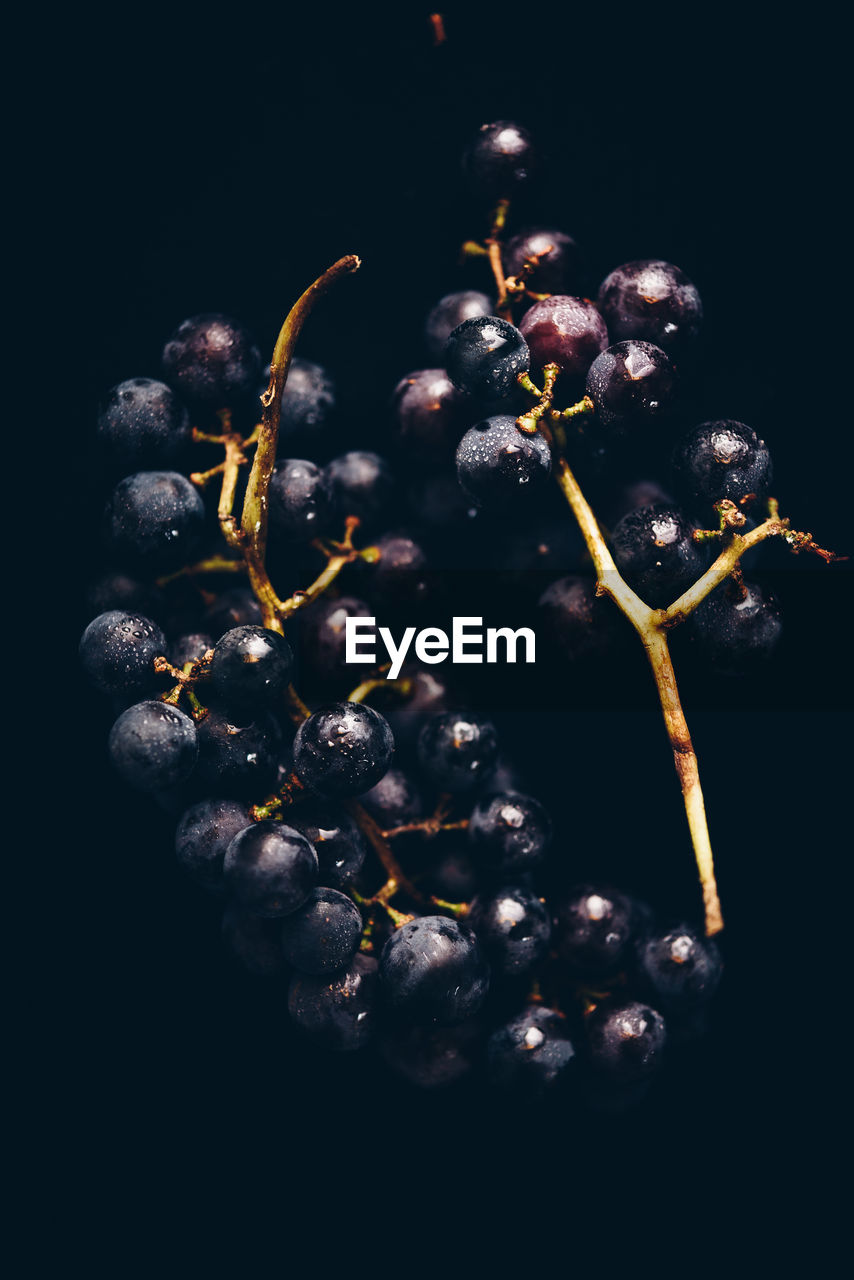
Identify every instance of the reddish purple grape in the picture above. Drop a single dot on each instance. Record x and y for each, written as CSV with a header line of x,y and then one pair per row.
x,y
565,331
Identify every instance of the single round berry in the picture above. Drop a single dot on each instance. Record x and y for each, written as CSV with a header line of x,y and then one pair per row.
x,y
565,331
342,749
559,268
653,301
204,833
337,841
395,800
451,311
432,1057
429,414
237,607
454,876
577,622
189,648
433,970
238,760
679,970
428,697
738,627
513,926
212,361
655,551
337,1012
595,927
301,501
722,459
630,383
153,745
497,463
509,833
117,652
251,666
256,943
323,935
457,750
626,1042
530,1053
270,869
485,355
398,575
142,424
155,519
308,399
500,158
362,485
324,630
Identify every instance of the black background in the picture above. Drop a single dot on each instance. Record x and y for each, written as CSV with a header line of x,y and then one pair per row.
x,y
220,167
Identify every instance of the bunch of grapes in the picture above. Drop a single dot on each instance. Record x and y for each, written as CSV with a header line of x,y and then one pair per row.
x,y
386,864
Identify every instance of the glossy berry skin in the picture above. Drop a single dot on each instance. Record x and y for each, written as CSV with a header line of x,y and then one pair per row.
x,y
679,970
235,608
270,869
337,841
211,361
251,667
509,833
631,384
433,970
513,926
189,648
323,935
362,485
595,928
565,331
484,356
654,301
153,745
499,159
117,652
738,632
337,1012
655,551
301,501
254,942
560,270
530,1053
308,399
237,760
722,459
497,463
203,835
429,414
142,424
578,623
325,634
450,311
457,750
342,749
626,1042
154,519
395,800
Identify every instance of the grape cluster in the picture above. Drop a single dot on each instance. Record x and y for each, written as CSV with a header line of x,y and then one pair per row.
x,y
389,867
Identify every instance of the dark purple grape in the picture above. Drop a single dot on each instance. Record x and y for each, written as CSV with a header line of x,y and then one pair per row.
x,y
497,463
142,425
237,607
256,943
432,1057
153,745
595,927
513,926
395,800
324,634
737,629
626,1042
204,833
189,648
117,652
338,842
500,159
308,400
301,501
565,331
212,361
428,697
337,1012
398,576
116,590
532,1052
362,485
323,935
653,301
484,356
251,667
342,749
655,551
560,266
457,750
723,459
154,519
433,970
429,413
576,621
678,969
454,876
631,383
451,311
509,833
270,869
238,760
